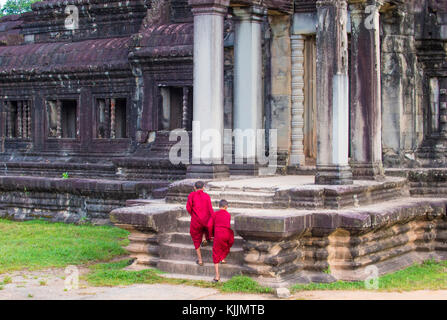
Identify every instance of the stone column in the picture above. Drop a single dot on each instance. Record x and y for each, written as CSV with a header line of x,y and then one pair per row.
x,y
332,94
297,156
208,109
248,95
366,107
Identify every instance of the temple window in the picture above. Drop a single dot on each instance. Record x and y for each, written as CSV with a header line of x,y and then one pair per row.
x,y
176,108
18,119
62,118
111,118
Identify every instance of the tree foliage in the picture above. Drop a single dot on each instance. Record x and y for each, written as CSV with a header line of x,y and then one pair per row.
x,y
16,7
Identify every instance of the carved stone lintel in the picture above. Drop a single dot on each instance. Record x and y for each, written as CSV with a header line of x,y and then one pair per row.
x,y
199,7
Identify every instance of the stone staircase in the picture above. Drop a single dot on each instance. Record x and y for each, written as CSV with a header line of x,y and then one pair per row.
x,y
256,198
178,256
284,232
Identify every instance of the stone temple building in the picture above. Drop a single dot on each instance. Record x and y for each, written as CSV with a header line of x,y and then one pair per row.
x,y
355,89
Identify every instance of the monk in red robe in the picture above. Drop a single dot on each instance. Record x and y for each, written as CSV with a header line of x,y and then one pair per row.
x,y
220,228
200,208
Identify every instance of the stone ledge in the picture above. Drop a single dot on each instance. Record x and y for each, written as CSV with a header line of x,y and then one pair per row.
x,y
112,188
284,224
152,218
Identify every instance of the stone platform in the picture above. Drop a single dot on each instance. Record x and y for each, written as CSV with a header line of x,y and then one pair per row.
x,y
291,231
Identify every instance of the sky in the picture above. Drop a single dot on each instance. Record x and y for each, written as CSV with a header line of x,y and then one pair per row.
x,y
2,2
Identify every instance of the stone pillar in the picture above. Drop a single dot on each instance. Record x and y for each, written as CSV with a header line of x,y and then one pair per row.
x,y
208,110
281,83
297,156
366,106
332,93
248,95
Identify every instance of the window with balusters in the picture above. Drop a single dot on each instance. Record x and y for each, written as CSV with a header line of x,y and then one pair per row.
x,y
62,118
111,118
17,119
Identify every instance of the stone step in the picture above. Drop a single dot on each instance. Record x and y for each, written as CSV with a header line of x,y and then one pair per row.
x,y
238,195
144,202
192,268
184,222
186,252
185,238
246,204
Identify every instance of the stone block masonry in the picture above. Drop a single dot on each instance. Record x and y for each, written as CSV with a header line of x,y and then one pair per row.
x,y
67,200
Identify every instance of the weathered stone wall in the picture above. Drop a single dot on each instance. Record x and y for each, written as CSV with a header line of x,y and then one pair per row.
x,y
401,87
67,200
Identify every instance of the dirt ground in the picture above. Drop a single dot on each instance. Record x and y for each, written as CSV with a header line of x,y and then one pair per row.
x,y
51,285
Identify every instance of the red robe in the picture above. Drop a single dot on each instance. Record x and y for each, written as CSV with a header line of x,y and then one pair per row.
x,y
200,208
219,226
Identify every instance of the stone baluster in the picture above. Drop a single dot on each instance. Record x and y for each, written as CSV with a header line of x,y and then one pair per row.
x,y
25,120
19,119
10,119
112,118
185,114
29,119
59,119
297,156
443,112
107,120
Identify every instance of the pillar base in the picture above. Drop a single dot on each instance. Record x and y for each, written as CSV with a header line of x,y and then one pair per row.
x,y
333,175
205,171
368,171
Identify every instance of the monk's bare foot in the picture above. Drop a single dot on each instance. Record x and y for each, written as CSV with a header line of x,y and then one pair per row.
x,y
200,263
216,279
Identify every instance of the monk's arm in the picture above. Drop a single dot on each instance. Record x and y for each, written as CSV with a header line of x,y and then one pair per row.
x,y
211,226
189,204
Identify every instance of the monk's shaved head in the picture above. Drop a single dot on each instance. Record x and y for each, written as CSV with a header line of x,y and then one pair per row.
x,y
223,203
199,185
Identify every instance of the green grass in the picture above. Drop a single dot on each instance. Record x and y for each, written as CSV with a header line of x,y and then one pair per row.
x,y
426,276
38,244
244,284
112,274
